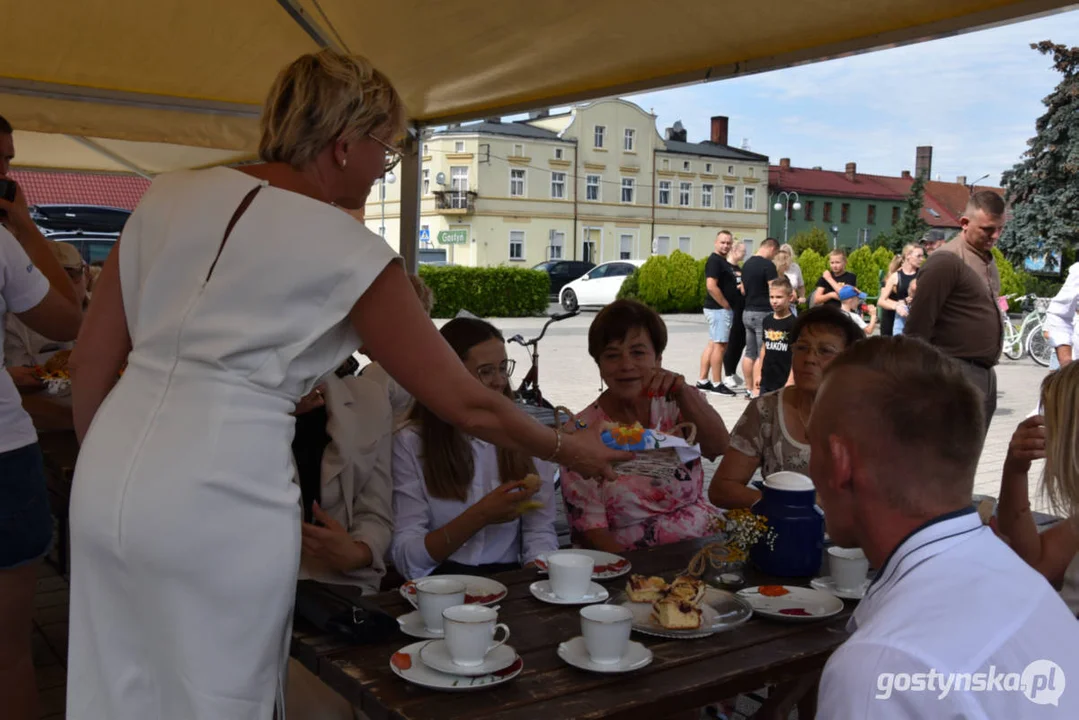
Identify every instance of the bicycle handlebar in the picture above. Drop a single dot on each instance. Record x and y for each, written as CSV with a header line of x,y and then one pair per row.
x,y
518,339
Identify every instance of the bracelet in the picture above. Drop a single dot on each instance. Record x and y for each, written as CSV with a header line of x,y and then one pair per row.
x,y
557,445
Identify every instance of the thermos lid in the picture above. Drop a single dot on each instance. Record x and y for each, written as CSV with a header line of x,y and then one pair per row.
x,y
785,480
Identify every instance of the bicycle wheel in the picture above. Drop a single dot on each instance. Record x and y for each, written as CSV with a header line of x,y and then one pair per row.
x,y
1013,347
1039,348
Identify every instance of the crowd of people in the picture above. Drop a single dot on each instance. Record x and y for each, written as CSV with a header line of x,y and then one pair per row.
x,y
231,445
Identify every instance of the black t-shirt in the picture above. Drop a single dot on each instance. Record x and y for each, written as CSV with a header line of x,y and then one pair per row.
x,y
755,276
777,352
847,278
718,268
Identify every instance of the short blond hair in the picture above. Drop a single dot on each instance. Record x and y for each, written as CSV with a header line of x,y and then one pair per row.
x,y
320,97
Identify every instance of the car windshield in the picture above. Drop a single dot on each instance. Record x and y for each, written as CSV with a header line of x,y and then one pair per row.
x,y
543,266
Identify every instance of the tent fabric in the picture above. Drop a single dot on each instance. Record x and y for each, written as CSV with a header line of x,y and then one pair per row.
x,y
193,73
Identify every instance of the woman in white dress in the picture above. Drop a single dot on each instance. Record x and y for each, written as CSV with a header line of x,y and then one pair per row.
x,y
231,293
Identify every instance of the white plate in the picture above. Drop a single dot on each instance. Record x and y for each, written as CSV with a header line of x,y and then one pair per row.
x,y
720,610
412,624
608,565
808,605
575,653
420,674
541,590
436,655
479,590
827,584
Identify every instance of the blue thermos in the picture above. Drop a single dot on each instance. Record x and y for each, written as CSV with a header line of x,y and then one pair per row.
x,y
794,544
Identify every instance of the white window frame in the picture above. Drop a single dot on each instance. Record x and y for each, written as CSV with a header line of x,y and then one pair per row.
x,y
427,181
632,240
685,244
685,192
629,140
631,185
752,171
459,185
558,180
708,194
522,180
560,245
520,244
687,166
664,187
749,199
597,186
599,137
729,192
558,153
459,146
666,163
518,150
663,245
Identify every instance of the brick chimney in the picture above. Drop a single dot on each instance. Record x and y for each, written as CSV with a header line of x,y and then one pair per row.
x,y
784,163
961,180
923,162
852,171
906,175
720,126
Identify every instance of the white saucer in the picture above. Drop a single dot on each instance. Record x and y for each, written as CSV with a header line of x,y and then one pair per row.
x,y
541,590
412,624
828,585
436,655
407,665
574,652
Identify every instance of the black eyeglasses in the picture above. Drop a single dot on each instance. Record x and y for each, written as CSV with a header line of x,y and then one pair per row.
x,y
393,155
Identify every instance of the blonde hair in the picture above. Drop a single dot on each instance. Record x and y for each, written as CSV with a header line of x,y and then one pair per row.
x,y
320,97
1060,406
782,262
893,266
786,247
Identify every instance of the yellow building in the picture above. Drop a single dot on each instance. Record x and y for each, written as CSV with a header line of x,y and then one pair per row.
x,y
596,183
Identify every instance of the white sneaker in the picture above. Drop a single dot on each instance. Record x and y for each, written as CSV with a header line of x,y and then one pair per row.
x,y
732,381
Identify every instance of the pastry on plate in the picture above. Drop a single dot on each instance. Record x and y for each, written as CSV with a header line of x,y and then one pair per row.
x,y
641,588
675,614
687,589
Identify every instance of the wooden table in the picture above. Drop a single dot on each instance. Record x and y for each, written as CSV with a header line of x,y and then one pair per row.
x,y
685,674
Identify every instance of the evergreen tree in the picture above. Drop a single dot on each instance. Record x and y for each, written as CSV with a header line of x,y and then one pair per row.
x,y
1043,188
911,228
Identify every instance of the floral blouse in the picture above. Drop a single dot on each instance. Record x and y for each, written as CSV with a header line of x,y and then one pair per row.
x,y
640,511
761,433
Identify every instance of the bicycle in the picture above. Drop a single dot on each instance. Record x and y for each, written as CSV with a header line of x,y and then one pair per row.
x,y
1030,337
528,392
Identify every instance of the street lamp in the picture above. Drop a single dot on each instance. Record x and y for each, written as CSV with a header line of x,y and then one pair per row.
x,y
391,179
835,236
783,202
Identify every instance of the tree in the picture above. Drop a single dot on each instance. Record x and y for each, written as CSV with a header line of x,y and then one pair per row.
x,y
814,239
1042,188
911,228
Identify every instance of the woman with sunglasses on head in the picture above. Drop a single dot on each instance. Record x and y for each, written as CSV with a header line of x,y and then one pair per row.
x,y
231,294
460,504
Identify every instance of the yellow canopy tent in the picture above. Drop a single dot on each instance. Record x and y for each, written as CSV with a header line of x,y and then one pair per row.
x,y
154,85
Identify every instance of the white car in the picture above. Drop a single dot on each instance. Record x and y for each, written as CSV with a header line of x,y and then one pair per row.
x,y
599,286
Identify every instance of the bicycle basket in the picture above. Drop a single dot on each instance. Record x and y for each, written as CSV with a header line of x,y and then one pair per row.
x,y
1042,304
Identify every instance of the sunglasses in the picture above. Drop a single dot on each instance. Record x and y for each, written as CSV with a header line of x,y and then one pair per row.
x,y
393,154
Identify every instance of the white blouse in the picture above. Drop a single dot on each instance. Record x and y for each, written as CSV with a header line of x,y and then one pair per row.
x,y
416,513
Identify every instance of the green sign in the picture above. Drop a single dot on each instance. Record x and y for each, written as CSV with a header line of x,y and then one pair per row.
x,y
453,237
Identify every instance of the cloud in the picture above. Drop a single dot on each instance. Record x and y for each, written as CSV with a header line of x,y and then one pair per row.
x,y
973,97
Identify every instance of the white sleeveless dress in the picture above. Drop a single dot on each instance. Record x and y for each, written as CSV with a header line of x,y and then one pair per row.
x,y
185,522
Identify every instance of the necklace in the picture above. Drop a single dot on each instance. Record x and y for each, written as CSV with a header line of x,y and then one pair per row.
x,y
803,415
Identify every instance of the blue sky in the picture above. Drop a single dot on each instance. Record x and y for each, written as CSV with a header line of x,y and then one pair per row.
x,y
973,97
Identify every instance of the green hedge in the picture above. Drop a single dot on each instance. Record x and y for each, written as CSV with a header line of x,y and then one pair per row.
x,y
813,265
487,292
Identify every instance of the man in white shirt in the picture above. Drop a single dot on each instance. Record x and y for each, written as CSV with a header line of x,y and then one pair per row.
x,y
1060,317
955,625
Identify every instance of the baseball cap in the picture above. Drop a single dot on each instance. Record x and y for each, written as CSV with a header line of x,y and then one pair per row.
x,y
847,292
67,254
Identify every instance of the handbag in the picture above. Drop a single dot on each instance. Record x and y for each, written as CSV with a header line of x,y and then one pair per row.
x,y
360,622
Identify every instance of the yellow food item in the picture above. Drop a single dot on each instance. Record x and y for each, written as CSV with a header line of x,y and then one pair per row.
x,y
686,589
57,364
532,482
528,506
675,614
645,589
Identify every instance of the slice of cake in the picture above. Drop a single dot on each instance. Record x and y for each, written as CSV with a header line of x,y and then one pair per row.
x,y
686,589
645,589
675,614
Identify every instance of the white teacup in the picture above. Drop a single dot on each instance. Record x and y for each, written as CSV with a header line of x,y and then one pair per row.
x,y
570,574
849,568
606,631
433,595
470,633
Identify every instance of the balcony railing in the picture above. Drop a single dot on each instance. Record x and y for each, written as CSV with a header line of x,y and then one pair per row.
x,y
457,202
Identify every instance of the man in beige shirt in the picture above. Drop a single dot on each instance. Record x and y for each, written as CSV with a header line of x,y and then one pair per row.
x,y
956,307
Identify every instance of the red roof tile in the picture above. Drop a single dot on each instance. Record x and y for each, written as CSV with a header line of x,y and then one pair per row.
x,y
46,188
954,196
830,182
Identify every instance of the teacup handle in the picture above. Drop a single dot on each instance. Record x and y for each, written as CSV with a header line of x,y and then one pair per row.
x,y
504,638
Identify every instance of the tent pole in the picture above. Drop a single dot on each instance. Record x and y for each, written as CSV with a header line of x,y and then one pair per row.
x,y
101,150
409,208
